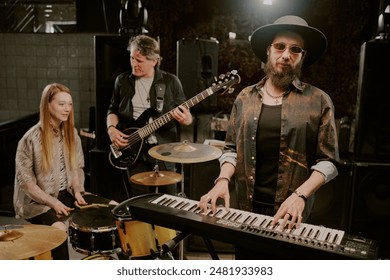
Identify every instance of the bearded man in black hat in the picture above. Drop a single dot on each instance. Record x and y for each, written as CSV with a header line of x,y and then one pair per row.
x,y
281,140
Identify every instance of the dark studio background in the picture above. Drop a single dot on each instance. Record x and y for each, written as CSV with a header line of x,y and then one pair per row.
x,y
357,201
347,24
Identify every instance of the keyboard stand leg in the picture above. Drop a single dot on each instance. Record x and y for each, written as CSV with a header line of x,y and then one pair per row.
x,y
211,248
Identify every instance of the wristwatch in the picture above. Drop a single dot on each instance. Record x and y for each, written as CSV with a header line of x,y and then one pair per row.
x,y
299,194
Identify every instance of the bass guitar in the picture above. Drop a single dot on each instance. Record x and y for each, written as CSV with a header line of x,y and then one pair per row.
x,y
124,157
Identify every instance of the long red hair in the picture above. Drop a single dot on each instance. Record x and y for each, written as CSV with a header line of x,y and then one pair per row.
x,y
47,130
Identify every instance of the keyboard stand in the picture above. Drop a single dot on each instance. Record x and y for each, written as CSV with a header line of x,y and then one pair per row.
x,y
211,249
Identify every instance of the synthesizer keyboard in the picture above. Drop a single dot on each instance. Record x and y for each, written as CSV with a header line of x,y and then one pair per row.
x,y
248,229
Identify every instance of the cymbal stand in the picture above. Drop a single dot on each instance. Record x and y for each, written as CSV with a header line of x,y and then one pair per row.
x,y
182,193
170,244
156,170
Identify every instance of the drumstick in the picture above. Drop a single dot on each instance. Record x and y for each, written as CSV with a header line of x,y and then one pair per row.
x,y
93,205
62,215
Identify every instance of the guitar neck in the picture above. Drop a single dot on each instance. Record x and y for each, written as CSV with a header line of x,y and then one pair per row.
x,y
167,117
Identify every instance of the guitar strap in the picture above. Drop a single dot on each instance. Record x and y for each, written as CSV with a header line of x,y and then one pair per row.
x,y
160,91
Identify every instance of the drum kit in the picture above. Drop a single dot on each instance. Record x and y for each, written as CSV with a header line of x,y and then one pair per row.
x,y
101,230
142,240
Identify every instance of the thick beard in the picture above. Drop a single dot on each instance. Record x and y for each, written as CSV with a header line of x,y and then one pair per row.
x,y
283,79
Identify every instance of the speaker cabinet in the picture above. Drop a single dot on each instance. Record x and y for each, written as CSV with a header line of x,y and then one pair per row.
x,y
373,98
106,180
111,59
371,204
199,180
197,65
333,200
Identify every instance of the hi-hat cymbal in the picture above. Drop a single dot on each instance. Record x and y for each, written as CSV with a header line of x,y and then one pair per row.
x,y
34,240
185,152
156,178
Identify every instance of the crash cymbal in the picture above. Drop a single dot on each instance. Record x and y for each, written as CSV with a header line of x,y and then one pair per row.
x,y
156,178
29,241
185,152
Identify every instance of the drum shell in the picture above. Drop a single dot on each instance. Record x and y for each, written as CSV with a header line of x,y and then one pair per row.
x,y
164,234
137,238
94,231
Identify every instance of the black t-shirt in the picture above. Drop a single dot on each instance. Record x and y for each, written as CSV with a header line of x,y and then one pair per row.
x,y
268,145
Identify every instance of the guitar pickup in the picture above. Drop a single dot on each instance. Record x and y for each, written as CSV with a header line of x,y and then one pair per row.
x,y
115,151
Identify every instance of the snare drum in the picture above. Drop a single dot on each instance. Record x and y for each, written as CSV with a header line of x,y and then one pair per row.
x,y
93,230
138,239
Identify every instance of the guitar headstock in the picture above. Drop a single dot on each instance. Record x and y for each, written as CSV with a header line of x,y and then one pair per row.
x,y
226,81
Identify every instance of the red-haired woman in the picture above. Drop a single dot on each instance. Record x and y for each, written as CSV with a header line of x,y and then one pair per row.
x,y
49,178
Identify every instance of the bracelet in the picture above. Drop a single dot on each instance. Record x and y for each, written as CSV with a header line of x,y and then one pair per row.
x,y
111,125
300,195
221,178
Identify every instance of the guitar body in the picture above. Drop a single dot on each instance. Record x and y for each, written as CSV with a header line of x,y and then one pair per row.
x,y
130,154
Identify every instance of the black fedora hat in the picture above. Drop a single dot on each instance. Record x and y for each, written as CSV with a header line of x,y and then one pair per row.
x,y
314,40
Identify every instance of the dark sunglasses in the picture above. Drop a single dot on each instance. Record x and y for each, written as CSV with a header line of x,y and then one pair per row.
x,y
282,46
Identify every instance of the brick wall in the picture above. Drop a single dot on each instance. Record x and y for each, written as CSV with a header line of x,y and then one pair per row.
x,y
30,61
